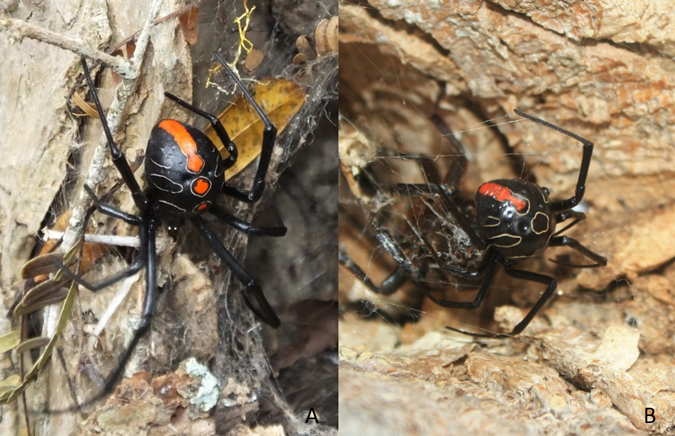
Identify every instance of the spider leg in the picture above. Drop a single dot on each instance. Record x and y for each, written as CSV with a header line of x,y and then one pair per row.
x,y
269,136
488,268
106,209
404,270
389,285
563,205
133,269
148,256
261,307
562,216
149,303
245,227
551,285
217,126
565,215
405,266
117,156
564,241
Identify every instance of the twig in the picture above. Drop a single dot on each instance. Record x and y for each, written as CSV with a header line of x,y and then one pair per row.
x,y
77,223
115,303
123,93
115,240
21,29
160,20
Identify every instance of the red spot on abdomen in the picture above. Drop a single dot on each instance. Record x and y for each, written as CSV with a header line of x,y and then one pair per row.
x,y
201,186
502,193
185,142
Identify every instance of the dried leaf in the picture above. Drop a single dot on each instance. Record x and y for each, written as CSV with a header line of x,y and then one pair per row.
x,y
9,384
40,265
32,344
64,315
326,37
279,98
188,23
13,386
9,341
305,50
253,60
88,109
46,293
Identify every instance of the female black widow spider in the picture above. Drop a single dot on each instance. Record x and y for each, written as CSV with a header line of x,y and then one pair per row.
x,y
513,220
184,171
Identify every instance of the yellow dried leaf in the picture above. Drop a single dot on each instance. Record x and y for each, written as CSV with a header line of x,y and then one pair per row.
x,y
9,384
9,341
32,344
279,98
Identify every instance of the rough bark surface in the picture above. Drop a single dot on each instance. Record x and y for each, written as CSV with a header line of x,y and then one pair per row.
x,y
599,353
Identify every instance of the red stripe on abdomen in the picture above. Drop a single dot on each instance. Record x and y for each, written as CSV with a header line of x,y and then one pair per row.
x,y
185,142
502,193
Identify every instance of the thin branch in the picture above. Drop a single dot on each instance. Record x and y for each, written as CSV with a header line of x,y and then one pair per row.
x,y
21,29
77,223
160,20
122,95
114,240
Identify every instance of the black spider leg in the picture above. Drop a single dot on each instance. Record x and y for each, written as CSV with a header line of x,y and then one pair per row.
x,y
551,285
243,226
118,157
269,137
388,286
217,126
405,269
261,307
138,264
147,235
486,270
563,216
565,241
147,257
563,205
414,189
560,241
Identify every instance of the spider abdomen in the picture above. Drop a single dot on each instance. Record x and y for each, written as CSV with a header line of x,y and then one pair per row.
x,y
515,217
183,168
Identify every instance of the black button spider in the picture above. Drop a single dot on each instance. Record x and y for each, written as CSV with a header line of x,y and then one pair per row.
x,y
513,220
185,175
